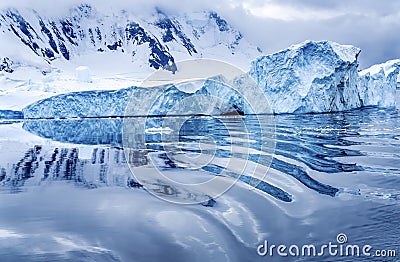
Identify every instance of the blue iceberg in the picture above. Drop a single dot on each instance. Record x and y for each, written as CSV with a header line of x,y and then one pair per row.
x,y
319,77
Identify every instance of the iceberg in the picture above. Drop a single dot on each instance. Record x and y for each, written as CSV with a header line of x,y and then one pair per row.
x,y
80,104
322,76
215,96
311,77
377,84
111,103
10,114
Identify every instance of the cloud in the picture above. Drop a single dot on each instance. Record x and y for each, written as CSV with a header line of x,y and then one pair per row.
x,y
276,24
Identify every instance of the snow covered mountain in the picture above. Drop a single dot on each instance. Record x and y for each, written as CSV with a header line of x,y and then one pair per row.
x,y
152,41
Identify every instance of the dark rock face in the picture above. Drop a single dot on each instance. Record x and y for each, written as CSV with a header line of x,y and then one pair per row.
x,y
51,37
85,29
6,65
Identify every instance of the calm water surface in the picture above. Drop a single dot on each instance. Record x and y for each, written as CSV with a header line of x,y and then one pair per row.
x,y
67,193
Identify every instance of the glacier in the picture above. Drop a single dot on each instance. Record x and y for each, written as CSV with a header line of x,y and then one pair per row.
x,y
311,77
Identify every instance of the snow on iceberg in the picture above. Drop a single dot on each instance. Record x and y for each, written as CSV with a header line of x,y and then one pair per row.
x,y
315,77
377,84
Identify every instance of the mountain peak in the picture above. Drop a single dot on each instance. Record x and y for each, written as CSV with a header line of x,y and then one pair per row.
x,y
151,41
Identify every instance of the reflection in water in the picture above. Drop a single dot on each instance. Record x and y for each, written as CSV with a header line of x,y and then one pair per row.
x,y
303,142
107,167
79,131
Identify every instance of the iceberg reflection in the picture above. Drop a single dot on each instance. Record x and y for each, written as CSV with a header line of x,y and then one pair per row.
x,y
296,146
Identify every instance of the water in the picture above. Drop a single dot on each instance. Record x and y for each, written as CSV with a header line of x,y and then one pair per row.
x,y
67,192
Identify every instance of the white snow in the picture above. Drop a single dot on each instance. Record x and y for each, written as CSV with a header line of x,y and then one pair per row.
x,y
16,92
190,86
83,74
387,68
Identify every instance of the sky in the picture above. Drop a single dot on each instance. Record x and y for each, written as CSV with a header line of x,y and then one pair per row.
x,y
373,26
273,25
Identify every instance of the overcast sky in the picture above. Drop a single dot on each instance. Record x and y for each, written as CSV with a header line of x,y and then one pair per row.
x,y
372,25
